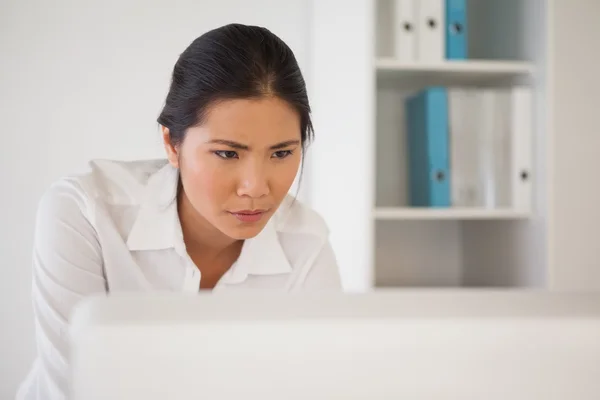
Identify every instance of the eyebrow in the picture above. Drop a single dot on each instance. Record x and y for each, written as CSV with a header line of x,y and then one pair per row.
x,y
240,146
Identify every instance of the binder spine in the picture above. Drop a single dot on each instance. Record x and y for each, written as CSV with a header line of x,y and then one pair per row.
x,y
405,30
431,30
522,128
436,125
456,30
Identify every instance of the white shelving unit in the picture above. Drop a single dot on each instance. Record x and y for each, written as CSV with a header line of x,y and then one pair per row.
x,y
453,72
357,165
413,213
458,247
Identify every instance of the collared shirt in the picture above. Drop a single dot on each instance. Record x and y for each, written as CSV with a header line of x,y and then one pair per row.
x,y
116,228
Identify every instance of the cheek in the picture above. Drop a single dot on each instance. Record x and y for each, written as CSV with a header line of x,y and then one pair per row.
x,y
205,180
284,175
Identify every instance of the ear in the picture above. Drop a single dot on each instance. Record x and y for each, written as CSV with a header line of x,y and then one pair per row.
x,y
170,149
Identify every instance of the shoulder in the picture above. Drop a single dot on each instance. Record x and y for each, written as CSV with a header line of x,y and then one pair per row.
x,y
295,217
102,183
109,181
118,182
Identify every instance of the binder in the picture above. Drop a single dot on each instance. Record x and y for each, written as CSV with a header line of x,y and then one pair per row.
x,y
430,30
470,147
521,103
463,152
427,134
480,147
502,140
486,114
405,30
456,29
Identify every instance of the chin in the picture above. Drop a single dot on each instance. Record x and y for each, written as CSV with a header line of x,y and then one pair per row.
x,y
243,231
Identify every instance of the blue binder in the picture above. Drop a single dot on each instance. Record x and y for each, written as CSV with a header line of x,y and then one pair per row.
x,y
428,144
456,29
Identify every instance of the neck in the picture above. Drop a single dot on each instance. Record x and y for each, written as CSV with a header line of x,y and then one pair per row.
x,y
198,234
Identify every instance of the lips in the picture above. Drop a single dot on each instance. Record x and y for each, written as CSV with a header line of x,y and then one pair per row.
x,y
249,215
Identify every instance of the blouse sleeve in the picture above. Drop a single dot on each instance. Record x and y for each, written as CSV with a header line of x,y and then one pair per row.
x,y
67,266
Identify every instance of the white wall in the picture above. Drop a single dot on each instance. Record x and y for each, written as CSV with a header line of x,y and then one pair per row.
x,y
342,185
86,79
575,189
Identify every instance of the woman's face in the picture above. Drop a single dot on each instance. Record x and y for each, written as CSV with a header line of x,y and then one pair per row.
x,y
238,166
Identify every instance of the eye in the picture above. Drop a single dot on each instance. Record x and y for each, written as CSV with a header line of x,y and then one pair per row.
x,y
227,154
282,153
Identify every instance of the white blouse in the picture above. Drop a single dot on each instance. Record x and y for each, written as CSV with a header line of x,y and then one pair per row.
x,y
116,229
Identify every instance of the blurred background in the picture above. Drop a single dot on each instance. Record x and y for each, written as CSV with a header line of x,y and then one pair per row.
x,y
462,156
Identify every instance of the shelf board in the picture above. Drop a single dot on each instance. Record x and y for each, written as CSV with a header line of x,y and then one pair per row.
x,y
453,72
414,213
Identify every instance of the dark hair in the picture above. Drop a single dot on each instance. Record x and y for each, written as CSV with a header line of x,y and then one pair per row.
x,y
234,61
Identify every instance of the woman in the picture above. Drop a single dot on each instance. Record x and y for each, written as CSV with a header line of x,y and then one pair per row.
x,y
214,215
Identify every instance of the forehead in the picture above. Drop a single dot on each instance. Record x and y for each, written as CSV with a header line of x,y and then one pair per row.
x,y
266,120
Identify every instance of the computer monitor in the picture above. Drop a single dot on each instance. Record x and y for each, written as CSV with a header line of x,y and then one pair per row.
x,y
413,344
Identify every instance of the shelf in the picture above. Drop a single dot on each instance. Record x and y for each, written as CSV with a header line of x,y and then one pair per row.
x,y
453,72
410,213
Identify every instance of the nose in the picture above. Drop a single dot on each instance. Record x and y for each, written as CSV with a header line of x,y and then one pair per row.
x,y
254,182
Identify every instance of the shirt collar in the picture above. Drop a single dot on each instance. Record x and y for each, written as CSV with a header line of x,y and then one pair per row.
x,y
157,227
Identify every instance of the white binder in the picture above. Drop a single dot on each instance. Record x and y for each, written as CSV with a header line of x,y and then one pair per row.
x,y
486,115
501,141
463,147
491,147
480,147
521,138
431,30
405,30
